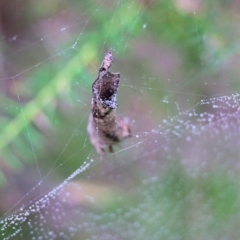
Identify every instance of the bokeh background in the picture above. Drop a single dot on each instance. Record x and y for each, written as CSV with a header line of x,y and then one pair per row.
x,y
178,176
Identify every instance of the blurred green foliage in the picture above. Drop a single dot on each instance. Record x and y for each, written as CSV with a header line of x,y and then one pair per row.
x,y
45,108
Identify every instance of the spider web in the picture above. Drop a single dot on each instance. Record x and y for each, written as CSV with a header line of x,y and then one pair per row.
x,y
176,178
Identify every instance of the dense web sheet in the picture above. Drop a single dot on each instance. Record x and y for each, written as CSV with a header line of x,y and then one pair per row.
x,y
175,178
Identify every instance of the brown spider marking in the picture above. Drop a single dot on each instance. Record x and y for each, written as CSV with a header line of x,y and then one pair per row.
x,y
105,129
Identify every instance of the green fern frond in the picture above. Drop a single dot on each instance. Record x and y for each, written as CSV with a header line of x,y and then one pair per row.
x,y
23,118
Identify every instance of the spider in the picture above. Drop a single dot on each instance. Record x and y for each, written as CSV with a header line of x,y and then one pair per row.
x,y
105,129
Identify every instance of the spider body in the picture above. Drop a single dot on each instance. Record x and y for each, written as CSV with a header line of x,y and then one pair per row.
x,y
105,129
